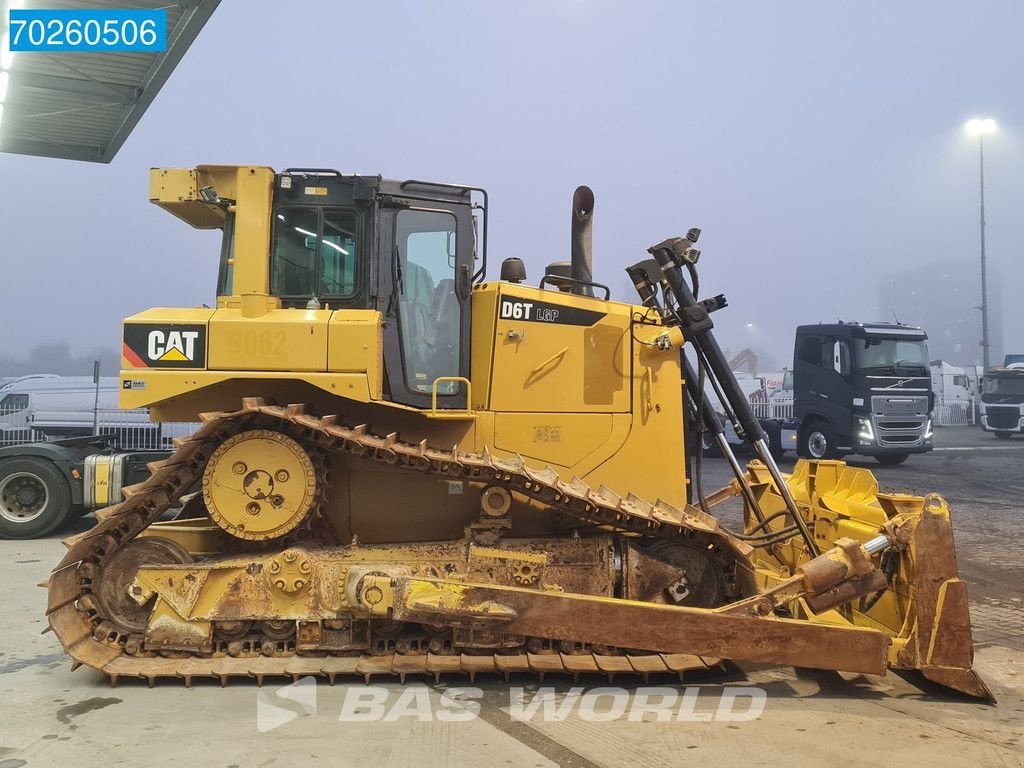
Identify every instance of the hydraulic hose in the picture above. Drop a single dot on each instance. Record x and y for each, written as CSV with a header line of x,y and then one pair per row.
x,y
696,325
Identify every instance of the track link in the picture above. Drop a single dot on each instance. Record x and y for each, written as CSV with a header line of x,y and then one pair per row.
x,y
90,639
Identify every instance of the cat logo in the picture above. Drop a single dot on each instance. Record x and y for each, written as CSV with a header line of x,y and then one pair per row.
x,y
151,345
178,346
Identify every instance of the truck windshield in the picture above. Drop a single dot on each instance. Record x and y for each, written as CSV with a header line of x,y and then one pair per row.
x,y
1008,385
900,357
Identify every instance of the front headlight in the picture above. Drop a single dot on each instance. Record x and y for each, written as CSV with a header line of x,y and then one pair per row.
x,y
864,429
928,430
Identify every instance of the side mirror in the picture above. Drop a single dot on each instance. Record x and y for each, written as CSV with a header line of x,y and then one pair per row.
x,y
841,358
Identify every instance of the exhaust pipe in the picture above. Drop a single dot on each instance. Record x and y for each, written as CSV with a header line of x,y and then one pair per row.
x,y
582,246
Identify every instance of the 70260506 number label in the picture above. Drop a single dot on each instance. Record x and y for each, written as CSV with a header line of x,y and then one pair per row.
x,y
84,30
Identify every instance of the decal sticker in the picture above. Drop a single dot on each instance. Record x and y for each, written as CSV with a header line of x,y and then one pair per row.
x,y
152,345
547,434
545,312
133,384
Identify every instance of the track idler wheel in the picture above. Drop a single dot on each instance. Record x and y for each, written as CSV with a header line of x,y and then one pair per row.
x,y
260,485
118,572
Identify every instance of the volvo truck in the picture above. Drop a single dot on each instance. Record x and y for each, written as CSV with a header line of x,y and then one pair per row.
x,y
1002,398
861,388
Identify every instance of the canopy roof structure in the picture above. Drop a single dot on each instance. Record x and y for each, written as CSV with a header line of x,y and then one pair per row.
x,y
83,106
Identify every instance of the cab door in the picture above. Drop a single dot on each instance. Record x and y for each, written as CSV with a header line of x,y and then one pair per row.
x,y
426,281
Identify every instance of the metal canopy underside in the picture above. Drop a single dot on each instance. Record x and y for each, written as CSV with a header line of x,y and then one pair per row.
x,y
83,106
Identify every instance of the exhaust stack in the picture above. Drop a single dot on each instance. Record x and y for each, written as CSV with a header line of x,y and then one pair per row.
x,y
582,247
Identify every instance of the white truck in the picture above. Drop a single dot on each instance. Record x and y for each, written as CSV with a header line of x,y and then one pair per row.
x,y
45,407
954,402
1002,398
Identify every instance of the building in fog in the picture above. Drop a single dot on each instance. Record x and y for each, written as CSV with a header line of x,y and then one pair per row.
x,y
943,298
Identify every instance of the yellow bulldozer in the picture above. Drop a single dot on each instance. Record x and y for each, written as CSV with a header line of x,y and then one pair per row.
x,y
406,467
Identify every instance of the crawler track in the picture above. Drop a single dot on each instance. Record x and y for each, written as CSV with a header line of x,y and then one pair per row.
x,y
92,639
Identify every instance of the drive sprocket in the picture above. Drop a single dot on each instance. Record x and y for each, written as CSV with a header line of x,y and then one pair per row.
x,y
260,484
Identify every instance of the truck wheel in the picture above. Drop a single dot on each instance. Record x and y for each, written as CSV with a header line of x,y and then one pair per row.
x,y
1004,435
817,441
34,498
892,459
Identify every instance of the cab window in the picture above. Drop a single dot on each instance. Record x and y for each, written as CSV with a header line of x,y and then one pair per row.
x,y
816,351
14,403
315,252
429,310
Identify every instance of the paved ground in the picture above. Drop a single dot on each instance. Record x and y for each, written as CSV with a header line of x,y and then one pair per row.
x,y
52,716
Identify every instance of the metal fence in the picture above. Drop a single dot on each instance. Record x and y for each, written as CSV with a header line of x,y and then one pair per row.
x,y
958,414
131,429
775,408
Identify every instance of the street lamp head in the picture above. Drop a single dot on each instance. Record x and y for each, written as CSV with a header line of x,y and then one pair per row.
x,y
980,126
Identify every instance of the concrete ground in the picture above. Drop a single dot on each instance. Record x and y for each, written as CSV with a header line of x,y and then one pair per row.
x,y
52,716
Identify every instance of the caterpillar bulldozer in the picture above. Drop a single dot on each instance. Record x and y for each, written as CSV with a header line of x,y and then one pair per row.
x,y
406,467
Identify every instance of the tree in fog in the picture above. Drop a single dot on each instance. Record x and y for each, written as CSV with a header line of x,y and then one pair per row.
x,y
58,357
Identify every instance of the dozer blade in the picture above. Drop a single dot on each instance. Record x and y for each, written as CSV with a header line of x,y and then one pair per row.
x,y
944,647
923,607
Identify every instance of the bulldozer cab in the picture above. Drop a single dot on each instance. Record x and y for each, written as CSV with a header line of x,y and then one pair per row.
x,y
402,248
405,249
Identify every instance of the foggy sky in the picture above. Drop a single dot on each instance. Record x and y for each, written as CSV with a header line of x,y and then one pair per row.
x,y
819,145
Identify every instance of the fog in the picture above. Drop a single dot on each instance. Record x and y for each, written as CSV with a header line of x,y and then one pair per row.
x,y
820,147
58,357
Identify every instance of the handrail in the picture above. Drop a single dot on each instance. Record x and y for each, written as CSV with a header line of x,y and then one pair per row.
x,y
556,279
313,171
451,411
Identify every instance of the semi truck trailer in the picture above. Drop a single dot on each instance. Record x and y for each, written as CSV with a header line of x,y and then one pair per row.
x,y
45,485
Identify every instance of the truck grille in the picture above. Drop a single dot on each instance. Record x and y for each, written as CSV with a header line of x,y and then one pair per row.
x,y
1002,417
995,398
900,405
899,420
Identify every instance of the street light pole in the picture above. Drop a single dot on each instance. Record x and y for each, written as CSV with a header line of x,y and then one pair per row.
x,y
984,279
979,127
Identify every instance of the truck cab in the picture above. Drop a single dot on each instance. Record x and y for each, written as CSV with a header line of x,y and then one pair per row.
x,y
1002,399
862,388
954,400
